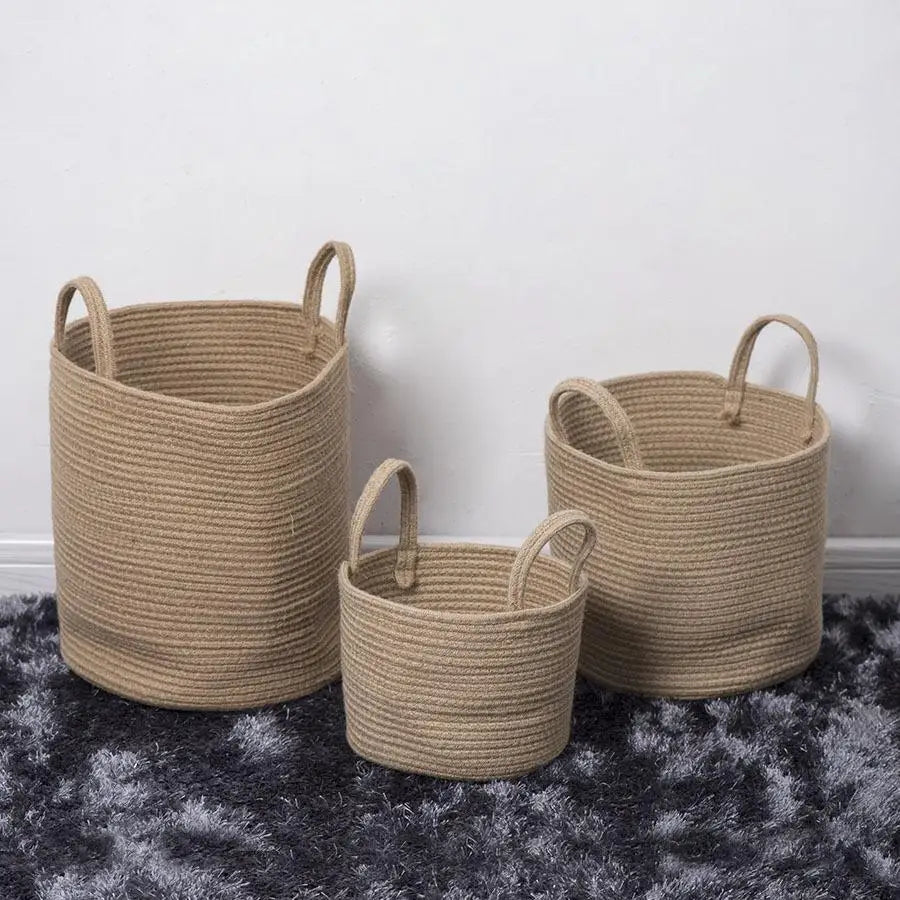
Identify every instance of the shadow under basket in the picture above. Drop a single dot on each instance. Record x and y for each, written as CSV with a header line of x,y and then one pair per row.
x,y
709,498
459,660
200,476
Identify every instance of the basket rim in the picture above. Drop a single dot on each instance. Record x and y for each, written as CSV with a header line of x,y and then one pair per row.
x,y
446,617
73,369
694,474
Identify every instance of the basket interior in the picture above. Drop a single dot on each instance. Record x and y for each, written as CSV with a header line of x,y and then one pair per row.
x,y
463,578
224,352
677,420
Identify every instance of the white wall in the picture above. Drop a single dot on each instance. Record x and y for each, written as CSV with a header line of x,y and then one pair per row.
x,y
533,190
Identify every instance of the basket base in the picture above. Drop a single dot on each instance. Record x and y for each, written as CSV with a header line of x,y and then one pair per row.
x,y
167,701
701,692
452,773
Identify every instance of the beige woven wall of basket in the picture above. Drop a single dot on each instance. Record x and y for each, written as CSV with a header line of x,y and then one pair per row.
x,y
459,659
709,497
200,476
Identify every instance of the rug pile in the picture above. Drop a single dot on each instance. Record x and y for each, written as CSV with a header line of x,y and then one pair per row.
x,y
792,792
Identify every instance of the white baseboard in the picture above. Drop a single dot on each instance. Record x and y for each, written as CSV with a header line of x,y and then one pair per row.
x,y
862,566
852,565
26,564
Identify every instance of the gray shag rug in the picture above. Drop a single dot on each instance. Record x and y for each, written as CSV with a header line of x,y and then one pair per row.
x,y
792,792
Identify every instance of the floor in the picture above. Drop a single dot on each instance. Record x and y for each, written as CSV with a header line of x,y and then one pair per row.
x,y
792,792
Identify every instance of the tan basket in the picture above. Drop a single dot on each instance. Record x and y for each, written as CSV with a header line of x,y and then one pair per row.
x,y
451,668
709,501
200,494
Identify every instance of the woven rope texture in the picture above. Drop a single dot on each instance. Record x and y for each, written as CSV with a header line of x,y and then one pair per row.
x,y
459,660
200,472
709,500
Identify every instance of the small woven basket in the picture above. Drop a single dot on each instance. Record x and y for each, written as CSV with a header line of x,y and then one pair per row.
x,y
709,500
450,666
200,473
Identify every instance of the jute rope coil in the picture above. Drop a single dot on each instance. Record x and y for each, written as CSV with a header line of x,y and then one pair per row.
x,y
709,500
459,659
200,472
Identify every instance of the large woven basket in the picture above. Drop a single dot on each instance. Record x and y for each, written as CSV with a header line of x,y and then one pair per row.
x,y
200,469
459,659
709,500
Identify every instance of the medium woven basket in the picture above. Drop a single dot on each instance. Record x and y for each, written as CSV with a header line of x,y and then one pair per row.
x,y
459,659
709,500
200,471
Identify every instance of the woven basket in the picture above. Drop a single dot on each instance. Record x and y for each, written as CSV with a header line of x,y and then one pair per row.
x,y
451,667
200,470
709,500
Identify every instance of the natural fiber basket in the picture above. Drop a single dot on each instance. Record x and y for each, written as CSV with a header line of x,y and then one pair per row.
x,y
453,667
709,501
200,468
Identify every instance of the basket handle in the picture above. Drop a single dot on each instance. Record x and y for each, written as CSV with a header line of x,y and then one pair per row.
x,y
98,319
407,551
737,377
609,406
534,543
315,281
